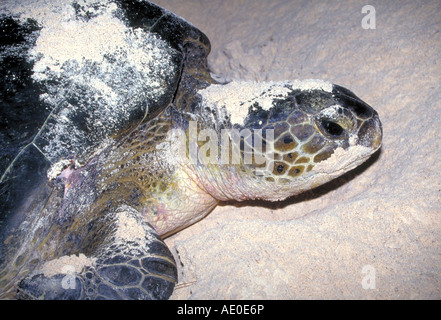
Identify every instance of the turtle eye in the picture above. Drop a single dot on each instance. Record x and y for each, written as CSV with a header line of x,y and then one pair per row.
x,y
332,128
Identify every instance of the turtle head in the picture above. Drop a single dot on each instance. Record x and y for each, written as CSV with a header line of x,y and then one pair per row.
x,y
291,136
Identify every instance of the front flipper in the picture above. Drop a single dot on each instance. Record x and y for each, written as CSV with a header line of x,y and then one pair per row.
x,y
131,262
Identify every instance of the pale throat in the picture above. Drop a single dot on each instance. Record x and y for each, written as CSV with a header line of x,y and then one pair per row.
x,y
182,204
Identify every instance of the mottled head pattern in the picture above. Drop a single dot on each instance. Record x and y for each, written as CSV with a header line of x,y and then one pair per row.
x,y
309,125
294,126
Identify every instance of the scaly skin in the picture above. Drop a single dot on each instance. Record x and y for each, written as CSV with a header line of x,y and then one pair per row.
x,y
145,170
164,173
173,190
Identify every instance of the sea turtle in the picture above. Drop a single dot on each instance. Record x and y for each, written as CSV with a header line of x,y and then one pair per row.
x,y
115,135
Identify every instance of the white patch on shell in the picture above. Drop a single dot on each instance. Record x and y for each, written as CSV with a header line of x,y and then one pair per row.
x,y
65,38
331,111
55,170
128,228
67,265
97,62
55,41
236,97
311,84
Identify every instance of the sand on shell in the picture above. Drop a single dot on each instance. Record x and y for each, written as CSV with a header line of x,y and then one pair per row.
x,y
374,233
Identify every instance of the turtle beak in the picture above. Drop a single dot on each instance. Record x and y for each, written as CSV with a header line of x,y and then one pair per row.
x,y
370,133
